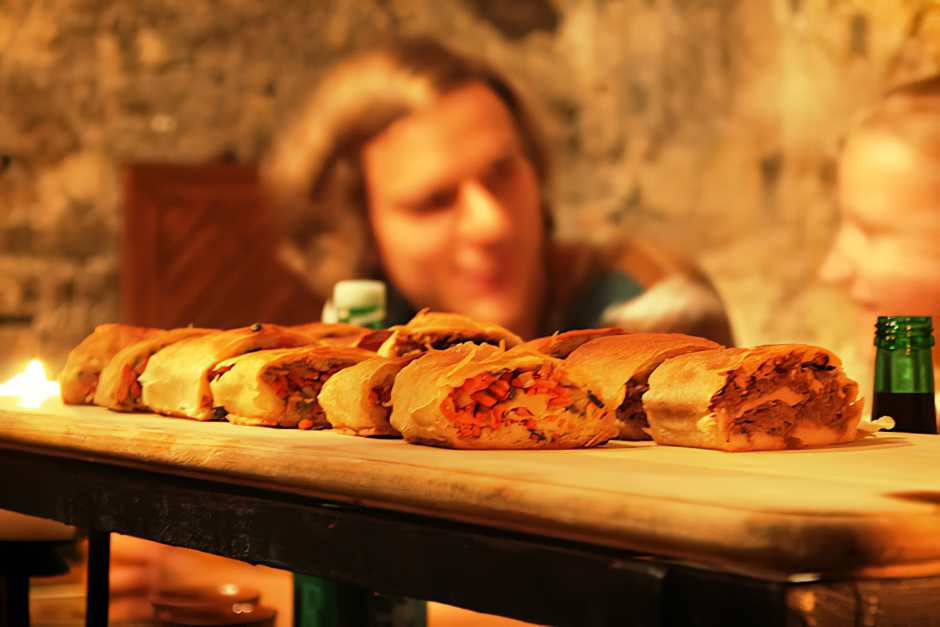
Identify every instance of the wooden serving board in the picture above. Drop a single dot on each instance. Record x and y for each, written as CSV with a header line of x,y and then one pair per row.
x,y
872,507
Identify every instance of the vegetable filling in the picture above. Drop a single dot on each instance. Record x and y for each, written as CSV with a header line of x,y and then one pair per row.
x,y
131,384
299,385
516,397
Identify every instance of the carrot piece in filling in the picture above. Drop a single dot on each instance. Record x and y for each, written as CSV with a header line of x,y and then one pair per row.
x,y
299,389
484,398
481,401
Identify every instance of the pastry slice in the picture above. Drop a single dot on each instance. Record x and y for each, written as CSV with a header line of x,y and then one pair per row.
x,y
118,387
278,388
357,400
561,345
79,378
434,331
482,397
176,379
333,334
622,364
764,398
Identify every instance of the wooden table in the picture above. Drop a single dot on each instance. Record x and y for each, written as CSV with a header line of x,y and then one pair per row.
x,y
630,533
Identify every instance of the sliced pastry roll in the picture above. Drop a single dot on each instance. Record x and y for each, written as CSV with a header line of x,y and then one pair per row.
x,y
481,397
119,388
278,388
622,364
763,398
358,399
79,378
176,379
561,345
435,330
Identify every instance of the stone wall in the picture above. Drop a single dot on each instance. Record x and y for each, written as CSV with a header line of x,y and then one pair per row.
x,y
709,123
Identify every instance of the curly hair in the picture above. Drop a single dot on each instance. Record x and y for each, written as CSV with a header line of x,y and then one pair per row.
x,y
313,172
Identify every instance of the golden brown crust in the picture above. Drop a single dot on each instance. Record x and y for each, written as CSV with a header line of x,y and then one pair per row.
x,y
686,385
118,388
560,345
176,382
431,395
622,364
764,398
279,387
438,330
332,334
373,340
79,378
357,400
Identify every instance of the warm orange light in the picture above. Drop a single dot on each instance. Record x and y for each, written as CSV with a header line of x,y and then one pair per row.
x,y
30,387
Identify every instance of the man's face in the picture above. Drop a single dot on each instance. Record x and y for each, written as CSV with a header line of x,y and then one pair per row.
x,y
887,251
454,206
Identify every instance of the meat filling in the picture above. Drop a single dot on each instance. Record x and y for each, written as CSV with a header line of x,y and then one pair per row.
x,y
821,395
515,397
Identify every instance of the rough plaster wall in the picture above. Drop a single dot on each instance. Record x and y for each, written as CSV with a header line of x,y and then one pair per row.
x,y
712,124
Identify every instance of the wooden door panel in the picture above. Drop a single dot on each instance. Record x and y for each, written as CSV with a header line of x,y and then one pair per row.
x,y
199,248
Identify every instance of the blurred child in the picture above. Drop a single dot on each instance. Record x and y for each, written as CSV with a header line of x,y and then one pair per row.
x,y
887,251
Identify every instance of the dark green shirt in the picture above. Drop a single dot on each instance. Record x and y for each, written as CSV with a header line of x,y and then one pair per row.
x,y
582,312
586,308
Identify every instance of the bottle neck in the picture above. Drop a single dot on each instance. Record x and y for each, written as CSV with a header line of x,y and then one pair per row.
x,y
904,361
906,370
903,332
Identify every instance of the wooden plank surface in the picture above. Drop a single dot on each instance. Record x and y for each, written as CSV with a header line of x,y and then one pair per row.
x,y
872,507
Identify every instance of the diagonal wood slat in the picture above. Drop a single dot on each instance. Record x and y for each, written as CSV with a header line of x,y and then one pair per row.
x,y
207,252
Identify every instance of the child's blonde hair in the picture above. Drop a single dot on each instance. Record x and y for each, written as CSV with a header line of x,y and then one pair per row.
x,y
909,112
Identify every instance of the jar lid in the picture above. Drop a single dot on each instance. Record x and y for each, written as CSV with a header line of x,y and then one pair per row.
x,y
359,293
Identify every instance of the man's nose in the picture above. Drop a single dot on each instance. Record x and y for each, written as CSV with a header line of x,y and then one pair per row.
x,y
483,217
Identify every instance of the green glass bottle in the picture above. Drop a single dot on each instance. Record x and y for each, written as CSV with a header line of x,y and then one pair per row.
x,y
904,373
324,603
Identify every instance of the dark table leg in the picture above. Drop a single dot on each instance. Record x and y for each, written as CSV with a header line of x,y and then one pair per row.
x,y
20,560
14,600
99,556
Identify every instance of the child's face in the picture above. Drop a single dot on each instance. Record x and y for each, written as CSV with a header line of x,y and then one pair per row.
x,y
887,250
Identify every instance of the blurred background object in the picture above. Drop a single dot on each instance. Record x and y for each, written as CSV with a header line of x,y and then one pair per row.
x,y
198,247
885,255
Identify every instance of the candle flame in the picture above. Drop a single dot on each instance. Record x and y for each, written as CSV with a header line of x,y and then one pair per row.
x,y
30,387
